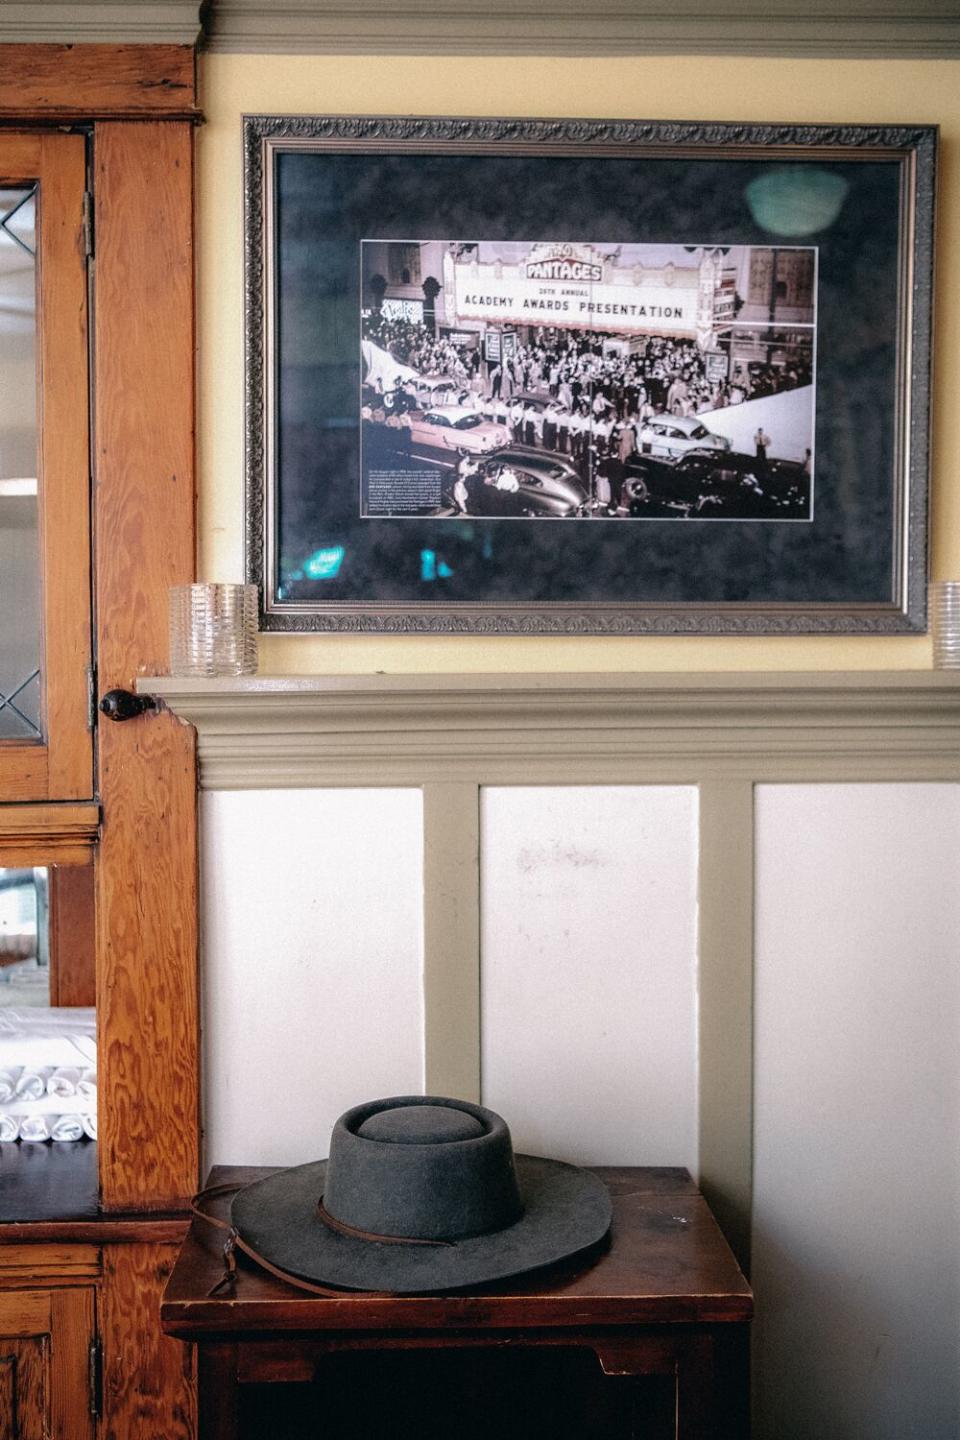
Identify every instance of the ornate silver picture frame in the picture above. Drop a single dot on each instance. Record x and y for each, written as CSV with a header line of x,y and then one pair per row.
x,y
593,377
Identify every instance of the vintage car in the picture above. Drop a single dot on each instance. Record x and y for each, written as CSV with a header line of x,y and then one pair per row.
x,y
674,435
453,427
434,390
545,405
518,481
707,484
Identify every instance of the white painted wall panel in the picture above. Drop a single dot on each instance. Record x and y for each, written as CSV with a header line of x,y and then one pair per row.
x,y
857,1120
312,964
588,970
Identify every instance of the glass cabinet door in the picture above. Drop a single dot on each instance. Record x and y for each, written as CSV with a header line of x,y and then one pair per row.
x,y
19,531
45,742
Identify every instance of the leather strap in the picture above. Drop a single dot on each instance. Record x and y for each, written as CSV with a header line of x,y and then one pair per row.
x,y
235,1242
352,1233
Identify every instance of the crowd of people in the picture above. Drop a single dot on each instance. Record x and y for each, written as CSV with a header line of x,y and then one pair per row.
x,y
413,344
661,375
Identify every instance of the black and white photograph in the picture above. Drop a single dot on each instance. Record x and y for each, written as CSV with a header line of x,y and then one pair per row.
x,y
570,380
450,324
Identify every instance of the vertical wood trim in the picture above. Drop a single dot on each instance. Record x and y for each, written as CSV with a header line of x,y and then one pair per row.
x,y
147,990
149,1379
64,465
451,940
72,932
726,1005
72,1332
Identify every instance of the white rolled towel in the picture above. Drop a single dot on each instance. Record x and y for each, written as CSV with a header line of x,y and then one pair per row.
x,y
64,1080
35,1128
9,1076
32,1082
63,1105
89,1123
65,1127
9,1129
52,1050
87,1084
40,1020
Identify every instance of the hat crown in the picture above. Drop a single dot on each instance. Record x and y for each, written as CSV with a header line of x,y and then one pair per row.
x,y
420,1125
422,1167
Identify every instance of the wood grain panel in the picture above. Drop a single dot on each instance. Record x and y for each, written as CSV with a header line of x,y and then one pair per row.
x,y
155,1395
24,1389
73,947
23,824
8,1390
25,1313
144,507
23,770
73,1321
26,1323
45,1339
54,1262
22,854
53,81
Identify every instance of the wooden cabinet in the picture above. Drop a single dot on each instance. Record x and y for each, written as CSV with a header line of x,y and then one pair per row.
x,y
85,1253
47,1364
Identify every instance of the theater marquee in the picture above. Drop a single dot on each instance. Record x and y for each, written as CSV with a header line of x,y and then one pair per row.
x,y
582,287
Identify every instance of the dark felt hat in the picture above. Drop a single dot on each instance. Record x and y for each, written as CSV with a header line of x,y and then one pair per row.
x,y
421,1194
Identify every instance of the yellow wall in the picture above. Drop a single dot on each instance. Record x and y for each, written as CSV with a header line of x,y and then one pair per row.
x,y
860,91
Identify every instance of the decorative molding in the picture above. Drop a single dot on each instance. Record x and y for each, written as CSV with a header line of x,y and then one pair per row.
x,y
850,28
105,22
100,22
273,731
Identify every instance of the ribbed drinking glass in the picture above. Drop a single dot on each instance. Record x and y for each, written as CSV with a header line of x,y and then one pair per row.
x,y
213,629
945,622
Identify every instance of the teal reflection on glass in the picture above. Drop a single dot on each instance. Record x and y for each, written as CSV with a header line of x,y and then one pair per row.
x,y
433,568
324,564
796,200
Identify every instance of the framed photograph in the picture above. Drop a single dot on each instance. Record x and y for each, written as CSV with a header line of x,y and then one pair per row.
x,y
594,377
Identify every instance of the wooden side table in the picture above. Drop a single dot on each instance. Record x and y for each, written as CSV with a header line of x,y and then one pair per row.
x,y
664,1298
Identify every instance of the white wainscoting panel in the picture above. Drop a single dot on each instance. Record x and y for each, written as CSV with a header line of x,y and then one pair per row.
x,y
856,1261
312,965
588,970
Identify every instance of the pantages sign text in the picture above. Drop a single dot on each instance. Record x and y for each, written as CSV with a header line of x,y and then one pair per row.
x,y
575,287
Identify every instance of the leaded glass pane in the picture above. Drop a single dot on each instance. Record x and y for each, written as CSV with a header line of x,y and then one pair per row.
x,y
20,635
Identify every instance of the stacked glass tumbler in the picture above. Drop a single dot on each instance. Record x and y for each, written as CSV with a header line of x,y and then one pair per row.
x,y
213,629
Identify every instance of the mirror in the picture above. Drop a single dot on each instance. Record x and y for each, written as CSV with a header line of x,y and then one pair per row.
x,y
47,936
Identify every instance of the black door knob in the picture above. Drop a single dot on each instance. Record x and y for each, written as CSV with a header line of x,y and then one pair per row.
x,y
124,705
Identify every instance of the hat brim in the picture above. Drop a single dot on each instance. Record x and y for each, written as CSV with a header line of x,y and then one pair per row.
x,y
566,1210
